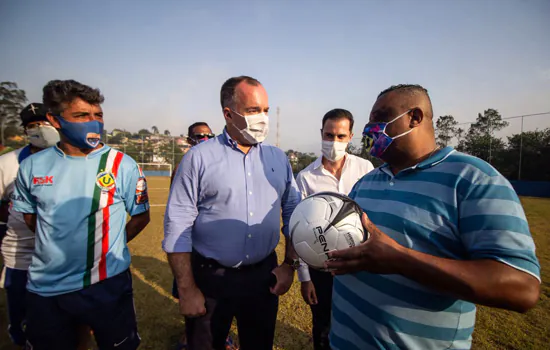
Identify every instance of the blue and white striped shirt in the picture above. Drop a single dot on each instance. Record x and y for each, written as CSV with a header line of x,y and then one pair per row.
x,y
453,206
227,205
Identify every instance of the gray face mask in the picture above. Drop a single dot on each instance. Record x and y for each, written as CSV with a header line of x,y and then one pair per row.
x,y
43,136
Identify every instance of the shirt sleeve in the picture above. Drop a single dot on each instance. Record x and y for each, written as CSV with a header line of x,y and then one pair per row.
x,y
301,185
181,210
290,200
303,272
492,225
135,194
22,199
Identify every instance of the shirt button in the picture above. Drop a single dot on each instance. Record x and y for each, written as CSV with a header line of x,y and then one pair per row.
x,y
247,256
249,174
391,183
250,193
249,236
251,213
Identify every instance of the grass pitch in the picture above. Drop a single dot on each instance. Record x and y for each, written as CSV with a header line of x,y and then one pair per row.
x,y
160,325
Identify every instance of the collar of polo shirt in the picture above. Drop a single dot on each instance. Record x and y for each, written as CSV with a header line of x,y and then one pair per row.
x,y
425,164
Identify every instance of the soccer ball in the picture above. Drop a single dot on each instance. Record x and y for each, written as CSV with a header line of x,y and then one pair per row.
x,y
324,222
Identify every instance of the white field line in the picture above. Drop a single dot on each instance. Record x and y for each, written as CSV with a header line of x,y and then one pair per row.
x,y
153,285
157,205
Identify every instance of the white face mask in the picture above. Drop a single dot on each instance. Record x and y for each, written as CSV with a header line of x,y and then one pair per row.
x,y
334,150
43,136
257,127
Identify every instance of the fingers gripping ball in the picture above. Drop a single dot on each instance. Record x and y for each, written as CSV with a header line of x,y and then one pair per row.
x,y
324,222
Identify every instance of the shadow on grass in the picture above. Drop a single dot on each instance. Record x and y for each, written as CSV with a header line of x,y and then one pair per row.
x,y
160,324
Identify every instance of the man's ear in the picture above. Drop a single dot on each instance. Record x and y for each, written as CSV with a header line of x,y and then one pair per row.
x,y
53,120
227,113
417,117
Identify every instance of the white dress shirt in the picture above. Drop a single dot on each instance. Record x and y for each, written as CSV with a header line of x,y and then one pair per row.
x,y
315,178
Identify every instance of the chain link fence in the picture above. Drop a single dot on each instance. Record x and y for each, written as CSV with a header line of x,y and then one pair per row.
x,y
519,147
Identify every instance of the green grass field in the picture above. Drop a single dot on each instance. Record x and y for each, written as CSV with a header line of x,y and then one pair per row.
x,y
160,324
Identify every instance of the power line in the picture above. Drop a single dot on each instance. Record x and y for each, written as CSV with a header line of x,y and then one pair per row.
x,y
465,123
514,117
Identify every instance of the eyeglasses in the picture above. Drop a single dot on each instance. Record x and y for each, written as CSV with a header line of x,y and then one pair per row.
x,y
202,136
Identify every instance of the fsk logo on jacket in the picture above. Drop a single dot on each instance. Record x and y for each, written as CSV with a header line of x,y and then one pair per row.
x,y
43,181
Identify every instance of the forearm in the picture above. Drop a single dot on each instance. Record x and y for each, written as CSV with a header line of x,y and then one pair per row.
x,y
30,220
290,253
3,219
136,224
4,212
3,230
486,282
180,263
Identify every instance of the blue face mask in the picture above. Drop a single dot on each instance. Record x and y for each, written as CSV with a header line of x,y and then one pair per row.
x,y
82,135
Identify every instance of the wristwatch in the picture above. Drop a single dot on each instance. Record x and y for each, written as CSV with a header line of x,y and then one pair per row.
x,y
294,263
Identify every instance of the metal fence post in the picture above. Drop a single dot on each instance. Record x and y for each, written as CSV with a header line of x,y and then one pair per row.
x,y
520,149
490,141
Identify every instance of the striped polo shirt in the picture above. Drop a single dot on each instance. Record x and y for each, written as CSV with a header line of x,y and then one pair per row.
x,y
81,205
451,205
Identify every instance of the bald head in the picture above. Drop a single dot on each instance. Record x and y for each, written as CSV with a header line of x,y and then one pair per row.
x,y
410,95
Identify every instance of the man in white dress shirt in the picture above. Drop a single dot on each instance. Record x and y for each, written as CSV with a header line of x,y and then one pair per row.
x,y
335,171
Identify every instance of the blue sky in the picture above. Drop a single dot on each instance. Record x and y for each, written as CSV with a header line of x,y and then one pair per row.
x,y
163,62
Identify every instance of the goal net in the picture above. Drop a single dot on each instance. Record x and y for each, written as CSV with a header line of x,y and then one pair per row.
x,y
156,169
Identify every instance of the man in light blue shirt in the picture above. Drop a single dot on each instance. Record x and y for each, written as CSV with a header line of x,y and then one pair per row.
x,y
222,225
447,231
76,197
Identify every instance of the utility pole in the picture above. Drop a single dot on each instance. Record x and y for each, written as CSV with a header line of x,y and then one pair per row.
x,y
142,153
173,152
278,133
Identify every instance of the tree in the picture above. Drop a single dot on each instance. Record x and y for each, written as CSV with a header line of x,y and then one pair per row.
x,y
12,100
144,132
155,130
166,132
535,151
446,129
117,139
480,141
459,138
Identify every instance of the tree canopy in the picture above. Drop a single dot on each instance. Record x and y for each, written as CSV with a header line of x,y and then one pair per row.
x,y
12,101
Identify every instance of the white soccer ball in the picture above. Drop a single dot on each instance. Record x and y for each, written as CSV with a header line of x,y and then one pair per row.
x,y
324,222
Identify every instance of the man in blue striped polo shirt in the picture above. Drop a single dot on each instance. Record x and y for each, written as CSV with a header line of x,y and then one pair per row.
x,y
447,231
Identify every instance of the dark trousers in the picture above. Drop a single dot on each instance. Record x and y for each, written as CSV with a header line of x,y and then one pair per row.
x,y
107,307
321,313
15,284
230,293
